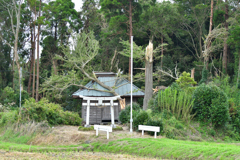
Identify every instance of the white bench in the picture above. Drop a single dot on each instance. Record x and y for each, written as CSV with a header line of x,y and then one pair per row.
x,y
103,128
149,128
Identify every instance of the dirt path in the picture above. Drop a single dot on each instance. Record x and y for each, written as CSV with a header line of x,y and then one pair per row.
x,y
69,135
6,155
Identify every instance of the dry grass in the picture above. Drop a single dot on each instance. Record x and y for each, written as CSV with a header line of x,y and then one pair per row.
x,y
30,128
66,155
69,135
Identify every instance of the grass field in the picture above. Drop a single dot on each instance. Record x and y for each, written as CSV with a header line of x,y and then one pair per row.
x,y
144,147
167,148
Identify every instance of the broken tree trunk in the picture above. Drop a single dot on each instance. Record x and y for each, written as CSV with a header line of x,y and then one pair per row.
x,y
148,75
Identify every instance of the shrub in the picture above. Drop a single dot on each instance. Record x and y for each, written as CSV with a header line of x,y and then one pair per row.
x,y
204,75
177,103
211,105
7,96
185,80
52,113
141,117
118,128
155,121
81,128
8,117
124,115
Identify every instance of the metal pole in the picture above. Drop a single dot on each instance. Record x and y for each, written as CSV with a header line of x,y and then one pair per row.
x,y
131,120
20,87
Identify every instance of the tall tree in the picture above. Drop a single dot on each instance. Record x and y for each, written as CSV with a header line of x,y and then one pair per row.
x,y
225,49
158,22
38,43
210,30
120,15
196,13
14,10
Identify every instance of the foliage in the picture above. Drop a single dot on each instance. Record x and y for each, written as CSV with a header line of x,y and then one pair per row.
x,y
85,48
140,119
124,115
185,80
50,112
7,118
177,103
81,128
204,75
7,96
10,98
23,132
155,121
210,105
118,128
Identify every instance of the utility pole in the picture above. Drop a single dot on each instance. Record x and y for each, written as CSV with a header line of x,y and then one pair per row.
x,y
20,98
131,120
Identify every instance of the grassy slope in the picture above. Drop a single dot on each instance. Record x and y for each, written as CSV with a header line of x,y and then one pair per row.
x,y
167,148
161,148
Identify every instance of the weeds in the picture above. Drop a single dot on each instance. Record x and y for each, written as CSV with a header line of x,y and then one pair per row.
x,y
178,103
23,132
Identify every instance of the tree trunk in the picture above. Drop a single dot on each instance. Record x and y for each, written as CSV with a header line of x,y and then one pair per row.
x,y
200,44
238,67
54,66
225,48
31,64
39,29
34,32
130,33
148,75
13,72
210,30
162,53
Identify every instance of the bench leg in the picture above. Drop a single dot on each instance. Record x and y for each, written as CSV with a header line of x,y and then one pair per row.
x,y
107,135
96,132
155,135
142,132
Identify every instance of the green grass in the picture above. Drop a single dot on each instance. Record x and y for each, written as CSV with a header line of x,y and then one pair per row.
x,y
150,147
167,148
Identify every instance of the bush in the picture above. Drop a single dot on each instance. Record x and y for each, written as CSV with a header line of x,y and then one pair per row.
x,y
211,105
8,96
155,121
8,117
204,75
118,128
52,113
124,115
141,117
81,128
178,103
185,80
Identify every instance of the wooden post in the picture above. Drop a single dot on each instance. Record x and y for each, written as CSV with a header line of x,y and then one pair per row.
x,y
88,113
112,113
